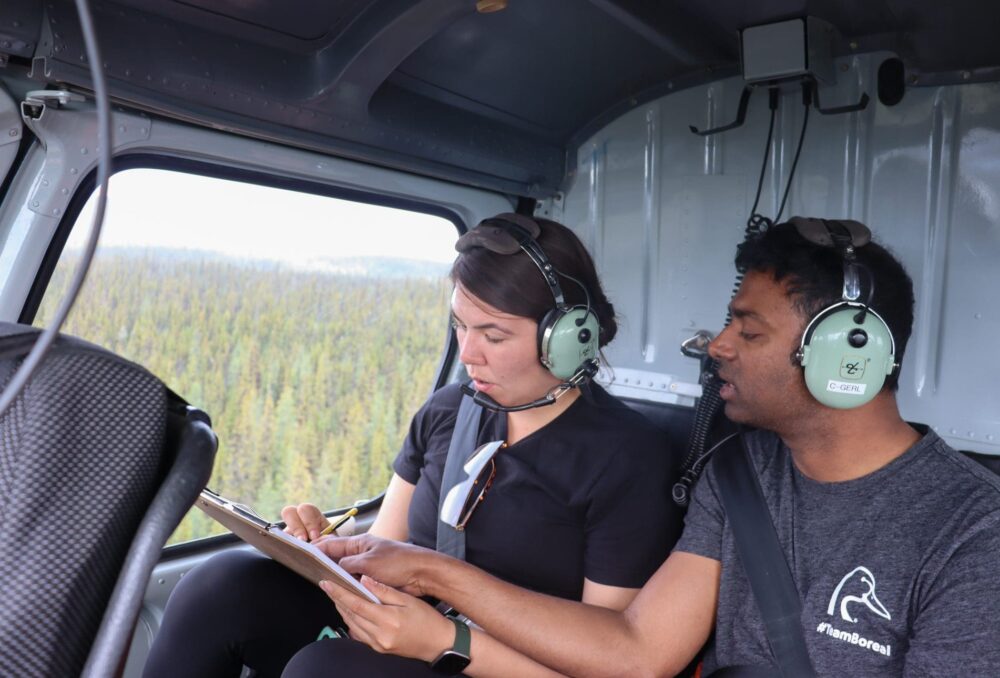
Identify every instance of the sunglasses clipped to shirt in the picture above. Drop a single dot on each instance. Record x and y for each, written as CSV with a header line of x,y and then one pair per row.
x,y
462,499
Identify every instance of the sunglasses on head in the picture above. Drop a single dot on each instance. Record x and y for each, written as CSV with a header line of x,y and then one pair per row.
x,y
461,500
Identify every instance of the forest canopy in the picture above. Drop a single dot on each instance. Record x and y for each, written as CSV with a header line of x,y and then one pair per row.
x,y
310,378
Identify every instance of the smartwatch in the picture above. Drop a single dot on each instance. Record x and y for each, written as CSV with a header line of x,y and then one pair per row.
x,y
453,661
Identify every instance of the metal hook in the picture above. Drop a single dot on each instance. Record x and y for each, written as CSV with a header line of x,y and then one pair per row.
x,y
741,114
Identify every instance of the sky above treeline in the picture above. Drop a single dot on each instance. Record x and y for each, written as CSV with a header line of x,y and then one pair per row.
x,y
162,209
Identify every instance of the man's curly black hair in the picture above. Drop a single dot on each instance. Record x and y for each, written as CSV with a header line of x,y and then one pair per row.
x,y
815,278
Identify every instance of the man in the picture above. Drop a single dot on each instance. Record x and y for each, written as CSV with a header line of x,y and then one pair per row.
x,y
891,536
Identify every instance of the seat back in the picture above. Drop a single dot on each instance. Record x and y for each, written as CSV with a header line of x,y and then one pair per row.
x,y
84,451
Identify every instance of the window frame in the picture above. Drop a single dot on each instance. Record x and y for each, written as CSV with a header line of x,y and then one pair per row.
x,y
145,160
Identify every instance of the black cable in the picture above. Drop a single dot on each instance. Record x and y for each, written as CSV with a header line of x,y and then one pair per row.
x,y
773,104
798,151
710,403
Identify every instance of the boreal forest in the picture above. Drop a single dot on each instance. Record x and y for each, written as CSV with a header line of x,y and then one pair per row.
x,y
310,378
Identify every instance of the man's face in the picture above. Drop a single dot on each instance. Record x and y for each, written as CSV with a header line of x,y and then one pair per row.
x,y
763,387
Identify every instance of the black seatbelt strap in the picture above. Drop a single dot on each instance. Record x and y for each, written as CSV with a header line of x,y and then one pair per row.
x,y
463,443
762,558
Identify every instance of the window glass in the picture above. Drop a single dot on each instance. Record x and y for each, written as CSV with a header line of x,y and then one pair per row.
x,y
309,328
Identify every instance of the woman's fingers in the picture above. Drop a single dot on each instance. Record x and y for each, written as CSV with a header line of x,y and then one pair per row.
x,y
304,521
313,519
402,625
293,524
364,619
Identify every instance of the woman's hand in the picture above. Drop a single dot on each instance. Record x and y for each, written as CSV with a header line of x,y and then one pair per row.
x,y
304,521
392,562
401,625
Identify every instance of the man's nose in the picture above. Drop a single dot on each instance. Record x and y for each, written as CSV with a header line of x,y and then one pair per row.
x,y
721,348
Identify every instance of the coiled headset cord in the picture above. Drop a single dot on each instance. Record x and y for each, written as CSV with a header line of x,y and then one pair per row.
x,y
710,402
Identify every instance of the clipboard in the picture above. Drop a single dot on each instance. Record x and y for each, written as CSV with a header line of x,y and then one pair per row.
x,y
299,556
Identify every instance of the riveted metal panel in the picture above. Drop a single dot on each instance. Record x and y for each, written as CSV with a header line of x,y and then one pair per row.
x,y
923,174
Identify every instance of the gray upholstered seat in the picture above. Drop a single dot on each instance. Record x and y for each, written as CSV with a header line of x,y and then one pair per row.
x,y
99,461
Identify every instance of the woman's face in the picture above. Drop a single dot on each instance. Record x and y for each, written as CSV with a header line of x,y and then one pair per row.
x,y
499,350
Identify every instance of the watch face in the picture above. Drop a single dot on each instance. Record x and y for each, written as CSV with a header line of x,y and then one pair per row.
x,y
450,663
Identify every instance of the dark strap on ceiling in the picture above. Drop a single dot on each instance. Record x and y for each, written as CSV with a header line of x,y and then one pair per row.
x,y
762,557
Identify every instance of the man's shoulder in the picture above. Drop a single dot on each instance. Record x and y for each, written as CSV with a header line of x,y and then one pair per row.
x,y
960,475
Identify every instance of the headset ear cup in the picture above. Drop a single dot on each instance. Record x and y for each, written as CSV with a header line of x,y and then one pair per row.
x,y
568,338
544,327
840,374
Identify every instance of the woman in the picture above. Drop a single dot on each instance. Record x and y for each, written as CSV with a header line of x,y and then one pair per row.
x,y
560,514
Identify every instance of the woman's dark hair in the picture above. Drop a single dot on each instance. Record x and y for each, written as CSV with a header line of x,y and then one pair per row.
x,y
815,277
513,284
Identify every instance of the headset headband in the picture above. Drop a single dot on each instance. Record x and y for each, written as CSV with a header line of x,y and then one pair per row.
x,y
845,236
506,234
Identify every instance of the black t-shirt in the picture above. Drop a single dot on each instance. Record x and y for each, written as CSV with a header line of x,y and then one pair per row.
x,y
588,495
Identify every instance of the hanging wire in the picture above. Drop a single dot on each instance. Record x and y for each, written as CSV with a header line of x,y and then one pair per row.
x,y
45,339
806,101
710,403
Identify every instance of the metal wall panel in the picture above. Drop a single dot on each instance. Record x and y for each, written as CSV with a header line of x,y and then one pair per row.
x,y
663,210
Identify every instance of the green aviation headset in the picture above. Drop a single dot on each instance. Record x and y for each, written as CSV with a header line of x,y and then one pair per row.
x,y
847,349
568,336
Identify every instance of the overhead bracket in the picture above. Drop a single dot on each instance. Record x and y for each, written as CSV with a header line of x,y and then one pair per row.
x,y
836,110
741,114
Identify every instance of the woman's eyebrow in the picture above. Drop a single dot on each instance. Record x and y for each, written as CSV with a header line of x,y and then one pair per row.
x,y
483,326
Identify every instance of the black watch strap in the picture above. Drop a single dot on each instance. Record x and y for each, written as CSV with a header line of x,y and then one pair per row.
x,y
453,661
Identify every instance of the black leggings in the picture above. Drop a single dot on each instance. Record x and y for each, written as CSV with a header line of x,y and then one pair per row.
x,y
241,608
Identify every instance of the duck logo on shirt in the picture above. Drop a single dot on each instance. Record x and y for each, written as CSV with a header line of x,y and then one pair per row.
x,y
855,595
857,588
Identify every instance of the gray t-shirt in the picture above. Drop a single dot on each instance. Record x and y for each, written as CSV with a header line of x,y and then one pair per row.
x,y
898,571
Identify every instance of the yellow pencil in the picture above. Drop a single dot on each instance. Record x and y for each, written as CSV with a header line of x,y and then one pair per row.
x,y
338,522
